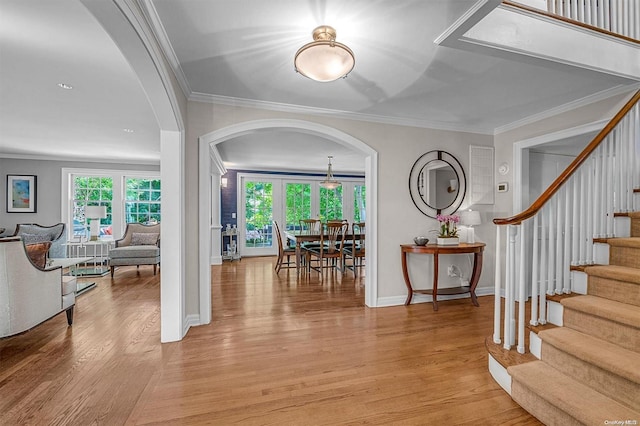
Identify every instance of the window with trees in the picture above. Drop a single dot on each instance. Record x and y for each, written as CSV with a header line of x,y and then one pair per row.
x,y
91,191
142,200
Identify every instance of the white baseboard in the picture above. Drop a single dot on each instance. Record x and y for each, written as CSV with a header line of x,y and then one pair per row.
x,y
190,321
601,253
215,260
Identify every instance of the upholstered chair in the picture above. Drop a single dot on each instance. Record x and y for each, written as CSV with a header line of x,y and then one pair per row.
x,y
30,295
140,245
32,233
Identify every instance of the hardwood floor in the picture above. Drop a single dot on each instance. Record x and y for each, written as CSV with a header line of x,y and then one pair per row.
x,y
278,352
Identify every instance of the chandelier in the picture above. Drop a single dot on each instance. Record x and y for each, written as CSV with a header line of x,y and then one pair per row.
x,y
330,182
324,59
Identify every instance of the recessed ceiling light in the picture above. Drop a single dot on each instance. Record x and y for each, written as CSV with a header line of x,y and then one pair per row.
x,y
128,130
65,86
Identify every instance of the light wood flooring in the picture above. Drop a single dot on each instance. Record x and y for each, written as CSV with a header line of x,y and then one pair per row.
x,y
279,351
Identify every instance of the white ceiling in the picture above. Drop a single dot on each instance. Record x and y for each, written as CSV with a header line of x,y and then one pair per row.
x,y
242,52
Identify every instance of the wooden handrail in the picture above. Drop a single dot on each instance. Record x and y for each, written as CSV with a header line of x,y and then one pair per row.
x,y
569,21
571,169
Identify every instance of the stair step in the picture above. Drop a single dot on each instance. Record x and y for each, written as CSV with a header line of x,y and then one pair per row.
x,y
624,251
556,399
615,322
619,283
635,223
610,367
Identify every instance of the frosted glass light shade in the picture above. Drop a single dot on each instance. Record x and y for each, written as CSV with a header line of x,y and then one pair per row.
x,y
324,59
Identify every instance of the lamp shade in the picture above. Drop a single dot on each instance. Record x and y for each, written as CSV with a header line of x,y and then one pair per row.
x,y
95,212
470,218
324,59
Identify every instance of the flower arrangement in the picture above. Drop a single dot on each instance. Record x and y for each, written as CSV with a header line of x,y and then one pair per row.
x,y
448,227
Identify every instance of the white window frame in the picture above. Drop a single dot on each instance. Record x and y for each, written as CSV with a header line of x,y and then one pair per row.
x,y
117,204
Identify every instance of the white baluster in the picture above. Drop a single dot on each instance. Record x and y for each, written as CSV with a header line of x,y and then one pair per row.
x,y
543,266
522,291
559,197
607,9
552,247
508,296
497,287
590,197
598,215
535,268
512,284
614,16
579,249
609,186
600,8
566,273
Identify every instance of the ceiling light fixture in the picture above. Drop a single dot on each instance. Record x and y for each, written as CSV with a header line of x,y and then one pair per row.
x,y
128,130
330,182
65,86
324,59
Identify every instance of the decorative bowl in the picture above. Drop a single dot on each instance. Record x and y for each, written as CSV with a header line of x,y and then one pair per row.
x,y
421,241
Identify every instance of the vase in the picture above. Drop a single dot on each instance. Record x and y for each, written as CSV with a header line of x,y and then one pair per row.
x,y
448,241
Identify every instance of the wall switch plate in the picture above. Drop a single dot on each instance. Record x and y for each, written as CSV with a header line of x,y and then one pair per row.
x,y
233,215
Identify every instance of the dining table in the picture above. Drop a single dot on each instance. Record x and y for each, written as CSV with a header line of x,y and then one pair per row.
x,y
299,237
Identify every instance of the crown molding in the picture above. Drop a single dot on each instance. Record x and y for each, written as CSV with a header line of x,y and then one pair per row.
x,y
299,109
587,100
80,159
161,36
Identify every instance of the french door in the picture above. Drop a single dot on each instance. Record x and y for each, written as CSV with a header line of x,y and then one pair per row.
x,y
265,198
257,213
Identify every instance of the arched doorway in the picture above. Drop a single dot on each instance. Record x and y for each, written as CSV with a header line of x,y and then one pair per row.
x,y
121,19
208,197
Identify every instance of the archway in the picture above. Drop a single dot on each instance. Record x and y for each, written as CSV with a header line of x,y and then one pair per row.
x,y
124,21
208,199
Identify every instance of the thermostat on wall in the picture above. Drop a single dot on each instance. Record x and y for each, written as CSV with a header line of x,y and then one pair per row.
x,y
503,187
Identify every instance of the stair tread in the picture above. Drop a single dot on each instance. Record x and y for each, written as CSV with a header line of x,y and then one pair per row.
x,y
633,242
619,312
616,272
609,356
578,400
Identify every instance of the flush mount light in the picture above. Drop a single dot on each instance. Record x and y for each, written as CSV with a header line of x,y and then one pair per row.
x,y
324,59
65,86
128,130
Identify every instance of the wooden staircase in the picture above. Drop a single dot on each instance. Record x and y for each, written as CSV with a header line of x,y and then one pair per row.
x,y
589,369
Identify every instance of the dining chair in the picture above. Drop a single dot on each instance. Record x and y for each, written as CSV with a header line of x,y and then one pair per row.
x,y
284,251
330,249
309,227
355,249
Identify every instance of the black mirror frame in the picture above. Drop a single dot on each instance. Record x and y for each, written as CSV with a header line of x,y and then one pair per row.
x,y
418,201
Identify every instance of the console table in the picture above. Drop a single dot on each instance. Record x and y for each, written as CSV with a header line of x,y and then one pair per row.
x,y
435,250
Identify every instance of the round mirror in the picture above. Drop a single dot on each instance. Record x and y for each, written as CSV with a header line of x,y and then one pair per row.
x,y
437,183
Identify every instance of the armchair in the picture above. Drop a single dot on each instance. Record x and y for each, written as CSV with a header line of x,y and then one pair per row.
x,y
140,245
30,295
33,233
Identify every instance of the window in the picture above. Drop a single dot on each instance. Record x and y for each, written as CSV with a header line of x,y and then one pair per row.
x,y
330,203
298,203
128,195
91,191
359,196
142,200
258,213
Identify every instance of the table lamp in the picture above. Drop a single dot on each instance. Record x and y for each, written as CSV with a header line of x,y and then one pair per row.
x,y
469,219
95,213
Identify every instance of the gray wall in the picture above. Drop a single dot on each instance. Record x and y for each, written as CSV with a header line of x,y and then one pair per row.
x,y
48,187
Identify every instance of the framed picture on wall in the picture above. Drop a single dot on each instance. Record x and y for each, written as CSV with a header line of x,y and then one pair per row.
x,y
21,194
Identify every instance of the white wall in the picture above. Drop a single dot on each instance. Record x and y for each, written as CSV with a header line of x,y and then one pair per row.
x,y
398,147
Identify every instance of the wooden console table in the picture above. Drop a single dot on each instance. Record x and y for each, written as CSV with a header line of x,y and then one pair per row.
x,y
435,250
